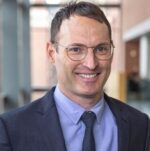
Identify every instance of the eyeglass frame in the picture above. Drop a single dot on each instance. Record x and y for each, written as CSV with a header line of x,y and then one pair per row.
x,y
94,48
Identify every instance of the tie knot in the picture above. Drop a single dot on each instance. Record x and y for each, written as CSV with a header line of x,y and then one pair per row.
x,y
88,118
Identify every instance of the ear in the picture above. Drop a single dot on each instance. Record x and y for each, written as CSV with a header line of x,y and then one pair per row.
x,y
50,52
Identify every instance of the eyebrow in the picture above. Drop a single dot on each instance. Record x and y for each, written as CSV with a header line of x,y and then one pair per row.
x,y
80,44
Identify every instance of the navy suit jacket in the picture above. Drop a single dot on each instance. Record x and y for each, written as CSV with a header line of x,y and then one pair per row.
x,y
36,127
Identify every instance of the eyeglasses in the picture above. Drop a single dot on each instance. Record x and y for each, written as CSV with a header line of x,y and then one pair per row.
x,y
103,51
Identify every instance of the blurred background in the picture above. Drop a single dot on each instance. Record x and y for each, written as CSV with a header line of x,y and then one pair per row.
x,y
26,74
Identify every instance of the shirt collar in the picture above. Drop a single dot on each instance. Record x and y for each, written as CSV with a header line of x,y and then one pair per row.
x,y
98,109
73,110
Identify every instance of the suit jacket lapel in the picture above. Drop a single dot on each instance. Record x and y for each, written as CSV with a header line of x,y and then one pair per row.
x,y
49,124
122,123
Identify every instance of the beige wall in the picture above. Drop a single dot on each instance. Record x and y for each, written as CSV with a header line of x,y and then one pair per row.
x,y
134,12
39,59
42,72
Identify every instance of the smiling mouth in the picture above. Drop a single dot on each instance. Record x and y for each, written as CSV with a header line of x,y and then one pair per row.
x,y
88,76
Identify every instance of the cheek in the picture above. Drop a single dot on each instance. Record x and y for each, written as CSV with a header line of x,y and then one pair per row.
x,y
106,68
58,65
63,67
105,65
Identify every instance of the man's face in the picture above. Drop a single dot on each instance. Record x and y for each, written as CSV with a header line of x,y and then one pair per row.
x,y
85,78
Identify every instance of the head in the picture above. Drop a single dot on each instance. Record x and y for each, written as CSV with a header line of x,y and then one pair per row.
x,y
85,9
80,25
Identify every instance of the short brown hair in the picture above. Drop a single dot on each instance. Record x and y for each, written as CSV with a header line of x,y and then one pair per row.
x,y
85,9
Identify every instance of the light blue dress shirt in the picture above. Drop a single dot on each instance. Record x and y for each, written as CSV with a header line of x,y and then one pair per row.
x,y
105,128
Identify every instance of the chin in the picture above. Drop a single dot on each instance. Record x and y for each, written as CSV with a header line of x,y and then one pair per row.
x,y
89,93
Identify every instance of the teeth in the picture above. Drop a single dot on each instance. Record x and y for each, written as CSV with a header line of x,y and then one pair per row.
x,y
88,75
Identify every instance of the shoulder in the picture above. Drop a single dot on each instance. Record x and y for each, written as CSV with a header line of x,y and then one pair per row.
x,y
20,114
30,110
121,109
131,119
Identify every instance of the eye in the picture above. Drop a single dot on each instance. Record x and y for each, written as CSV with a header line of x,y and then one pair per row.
x,y
102,49
74,49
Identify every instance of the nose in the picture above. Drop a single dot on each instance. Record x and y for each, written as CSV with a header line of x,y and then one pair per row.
x,y
90,60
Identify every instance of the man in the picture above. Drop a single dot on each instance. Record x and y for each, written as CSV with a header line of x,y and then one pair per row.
x,y
77,115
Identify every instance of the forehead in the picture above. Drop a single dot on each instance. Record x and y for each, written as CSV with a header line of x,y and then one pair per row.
x,y
83,29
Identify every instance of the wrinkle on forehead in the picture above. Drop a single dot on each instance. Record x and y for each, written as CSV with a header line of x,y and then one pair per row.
x,y
83,30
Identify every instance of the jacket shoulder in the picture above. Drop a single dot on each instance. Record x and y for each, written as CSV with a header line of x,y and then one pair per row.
x,y
118,105
30,109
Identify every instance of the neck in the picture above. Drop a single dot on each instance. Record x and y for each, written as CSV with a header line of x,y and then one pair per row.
x,y
85,101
